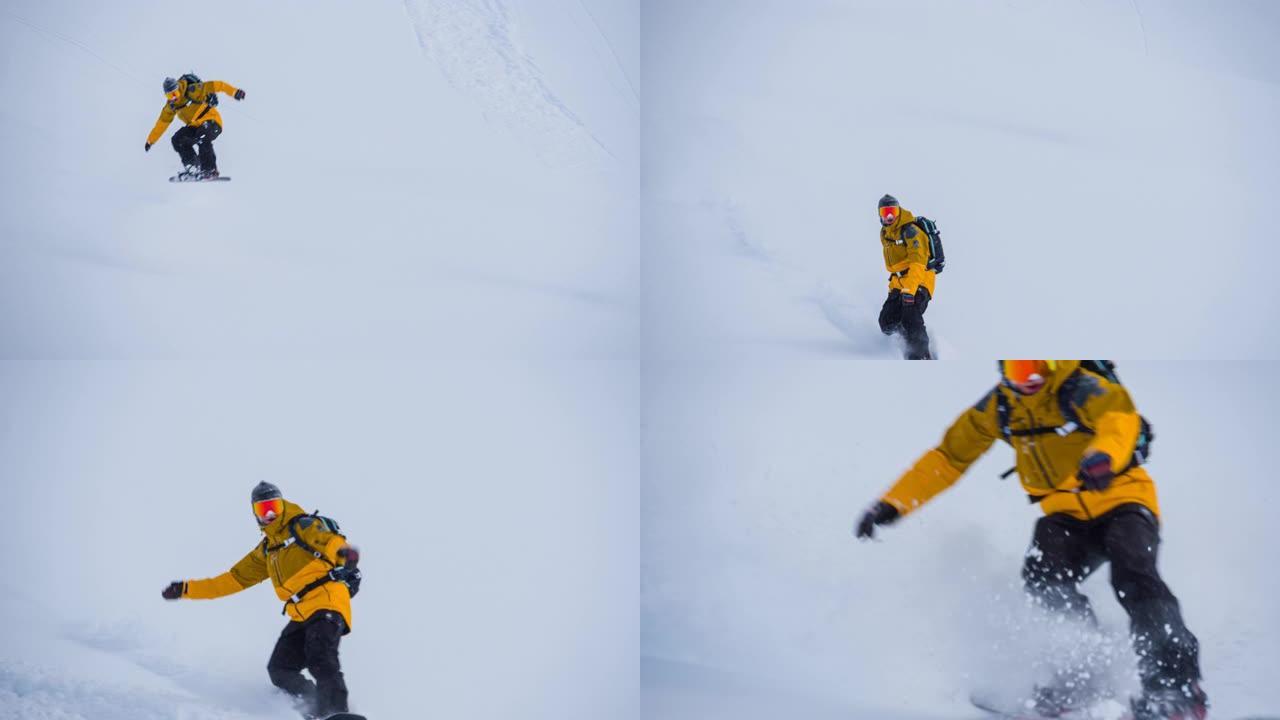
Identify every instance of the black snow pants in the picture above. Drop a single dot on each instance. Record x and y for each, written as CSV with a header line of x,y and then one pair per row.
x,y
898,317
1064,551
192,137
312,645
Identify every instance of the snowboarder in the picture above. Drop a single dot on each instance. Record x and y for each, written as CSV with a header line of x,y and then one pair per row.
x,y
315,573
196,103
906,257
1078,442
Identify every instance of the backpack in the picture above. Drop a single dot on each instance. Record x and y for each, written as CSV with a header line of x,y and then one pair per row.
x,y
337,573
1105,368
937,258
210,99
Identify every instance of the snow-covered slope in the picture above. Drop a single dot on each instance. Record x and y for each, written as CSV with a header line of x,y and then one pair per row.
x,y
1102,171
751,573
412,310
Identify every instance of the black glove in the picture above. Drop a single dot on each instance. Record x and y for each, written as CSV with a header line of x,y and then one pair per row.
x,y
176,590
1095,471
348,572
353,581
239,95
908,299
147,148
882,513
349,575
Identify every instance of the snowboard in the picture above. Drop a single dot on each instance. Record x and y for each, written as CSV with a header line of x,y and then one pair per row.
x,y
1011,712
346,716
178,179
1014,710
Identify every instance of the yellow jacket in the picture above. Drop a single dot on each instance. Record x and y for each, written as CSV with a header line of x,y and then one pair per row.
x,y
1047,463
290,568
906,252
194,108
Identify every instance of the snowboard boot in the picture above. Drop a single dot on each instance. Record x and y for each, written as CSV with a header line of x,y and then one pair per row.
x,y
189,172
1188,702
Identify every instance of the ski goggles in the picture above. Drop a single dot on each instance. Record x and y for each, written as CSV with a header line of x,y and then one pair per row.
x,y
1027,375
268,510
888,214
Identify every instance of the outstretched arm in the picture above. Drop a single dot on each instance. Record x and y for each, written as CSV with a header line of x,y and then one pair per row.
x,y
166,117
965,441
225,88
334,548
251,570
332,545
938,469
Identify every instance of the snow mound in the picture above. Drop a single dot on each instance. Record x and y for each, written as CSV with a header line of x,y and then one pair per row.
x,y
475,46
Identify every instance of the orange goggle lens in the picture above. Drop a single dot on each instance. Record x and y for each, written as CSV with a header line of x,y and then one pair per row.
x,y
268,509
889,214
1020,372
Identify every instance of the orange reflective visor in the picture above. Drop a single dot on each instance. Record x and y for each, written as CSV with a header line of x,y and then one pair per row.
x,y
266,510
889,213
1019,372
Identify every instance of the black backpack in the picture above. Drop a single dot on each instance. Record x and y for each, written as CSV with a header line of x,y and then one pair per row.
x,y
1105,368
937,258
210,99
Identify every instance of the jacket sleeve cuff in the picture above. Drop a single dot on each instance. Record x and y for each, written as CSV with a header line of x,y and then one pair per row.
x,y
331,548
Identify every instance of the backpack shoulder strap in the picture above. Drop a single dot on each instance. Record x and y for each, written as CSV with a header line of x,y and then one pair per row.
x,y
1002,414
1073,392
1089,385
1002,422
1077,389
297,539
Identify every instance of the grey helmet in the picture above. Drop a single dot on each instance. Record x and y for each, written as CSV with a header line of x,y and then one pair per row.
x,y
265,491
170,84
888,201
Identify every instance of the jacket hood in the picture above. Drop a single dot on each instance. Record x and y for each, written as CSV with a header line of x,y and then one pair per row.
x,y
1062,371
905,218
277,531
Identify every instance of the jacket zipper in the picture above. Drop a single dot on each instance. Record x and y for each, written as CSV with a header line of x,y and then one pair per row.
x,y
1079,499
1047,465
1030,444
275,562
1031,447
